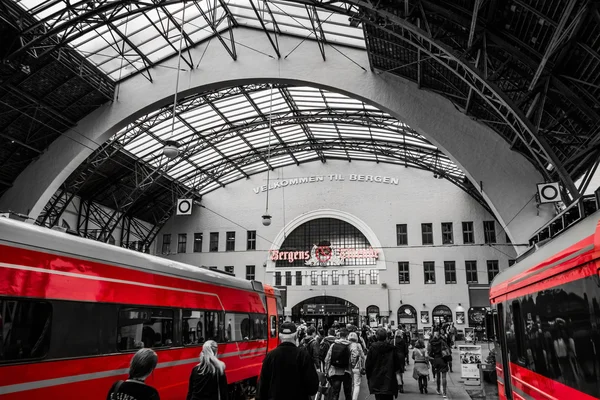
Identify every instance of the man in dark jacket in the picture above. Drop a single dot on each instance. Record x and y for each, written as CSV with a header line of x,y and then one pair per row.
x,y
311,344
383,363
288,372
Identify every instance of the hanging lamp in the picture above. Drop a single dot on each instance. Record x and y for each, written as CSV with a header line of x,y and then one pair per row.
x,y
266,218
171,148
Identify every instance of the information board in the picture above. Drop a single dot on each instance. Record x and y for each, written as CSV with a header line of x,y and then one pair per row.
x,y
470,359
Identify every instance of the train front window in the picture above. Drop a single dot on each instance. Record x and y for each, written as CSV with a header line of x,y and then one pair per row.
x,y
24,329
144,327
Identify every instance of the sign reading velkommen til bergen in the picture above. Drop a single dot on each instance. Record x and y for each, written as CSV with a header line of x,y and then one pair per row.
x,y
281,183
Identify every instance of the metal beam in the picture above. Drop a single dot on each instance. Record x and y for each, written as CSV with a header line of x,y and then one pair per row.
x,y
275,43
213,26
317,28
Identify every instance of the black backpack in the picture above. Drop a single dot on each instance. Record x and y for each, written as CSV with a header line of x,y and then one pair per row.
x,y
340,355
324,349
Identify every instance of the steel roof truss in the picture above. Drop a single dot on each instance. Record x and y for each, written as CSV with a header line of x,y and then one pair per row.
x,y
213,24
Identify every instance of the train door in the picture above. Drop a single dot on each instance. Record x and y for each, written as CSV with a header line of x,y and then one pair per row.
x,y
504,380
272,314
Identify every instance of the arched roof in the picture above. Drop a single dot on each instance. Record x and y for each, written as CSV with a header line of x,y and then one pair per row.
x,y
529,72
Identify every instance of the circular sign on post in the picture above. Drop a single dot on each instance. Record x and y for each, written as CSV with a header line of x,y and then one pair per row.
x,y
184,206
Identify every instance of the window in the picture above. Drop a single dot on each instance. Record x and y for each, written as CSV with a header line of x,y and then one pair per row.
x,y
468,232
238,327
450,271
278,278
181,242
25,329
351,277
144,327
508,239
492,267
250,272
471,268
273,326
511,262
427,233
362,277
298,278
403,272
324,278
166,247
229,269
198,242
335,277
258,326
489,231
230,241
447,234
519,331
251,240
374,275
200,326
314,278
214,241
429,270
288,278
401,235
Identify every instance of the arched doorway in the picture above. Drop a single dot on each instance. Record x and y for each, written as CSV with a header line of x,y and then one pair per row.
x,y
407,316
324,311
373,316
441,314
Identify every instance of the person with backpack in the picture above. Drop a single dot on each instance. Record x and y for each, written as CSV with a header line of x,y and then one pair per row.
x,y
208,380
134,388
311,344
439,354
337,365
401,347
324,346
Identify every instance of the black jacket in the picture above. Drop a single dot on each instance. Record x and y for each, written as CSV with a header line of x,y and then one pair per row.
x,y
288,373
207,386
311,344
382,364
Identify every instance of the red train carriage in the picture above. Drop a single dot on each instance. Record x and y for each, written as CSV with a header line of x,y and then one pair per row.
x,y
73,312
546,310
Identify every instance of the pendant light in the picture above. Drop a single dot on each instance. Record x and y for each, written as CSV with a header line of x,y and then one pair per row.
x,y
171,148
266,218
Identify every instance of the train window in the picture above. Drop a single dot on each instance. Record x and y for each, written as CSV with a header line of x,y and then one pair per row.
x,y
237,327
24,329
519,331
144,327
273,326
200,326
259,326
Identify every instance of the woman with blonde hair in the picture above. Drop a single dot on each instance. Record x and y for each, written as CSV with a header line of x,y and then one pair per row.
x,y
208,380
357,362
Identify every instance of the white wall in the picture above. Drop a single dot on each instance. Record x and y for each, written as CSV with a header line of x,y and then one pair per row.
x,y
417,198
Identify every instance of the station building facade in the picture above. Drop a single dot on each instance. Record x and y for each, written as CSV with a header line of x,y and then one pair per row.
x,y
358,242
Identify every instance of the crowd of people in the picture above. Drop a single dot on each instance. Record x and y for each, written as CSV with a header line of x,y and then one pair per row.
x,y
309,364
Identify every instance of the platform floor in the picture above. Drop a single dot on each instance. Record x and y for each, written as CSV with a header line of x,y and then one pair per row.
x,y
456,389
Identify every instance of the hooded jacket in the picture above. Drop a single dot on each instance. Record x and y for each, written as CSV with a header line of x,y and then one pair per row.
x,y
382,364
333,370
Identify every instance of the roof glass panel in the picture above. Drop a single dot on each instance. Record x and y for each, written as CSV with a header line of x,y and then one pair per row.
x,y
129,37
228,138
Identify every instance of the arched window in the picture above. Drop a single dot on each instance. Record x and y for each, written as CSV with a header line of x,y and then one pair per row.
x,y
441,314
407,316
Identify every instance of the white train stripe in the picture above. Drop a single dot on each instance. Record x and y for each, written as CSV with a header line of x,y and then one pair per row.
x,y
21,387
99,278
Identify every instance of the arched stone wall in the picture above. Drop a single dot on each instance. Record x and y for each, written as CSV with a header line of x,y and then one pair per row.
x,y
506,178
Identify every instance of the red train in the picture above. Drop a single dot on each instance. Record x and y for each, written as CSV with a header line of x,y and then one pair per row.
x,y
546,310
73,312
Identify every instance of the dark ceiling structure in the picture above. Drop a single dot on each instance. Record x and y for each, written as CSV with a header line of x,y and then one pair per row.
x,y
530,70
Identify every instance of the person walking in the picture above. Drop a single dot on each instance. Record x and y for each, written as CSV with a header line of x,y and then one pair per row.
x,y
438,352
338,367
288,372
208,380
311,344
357,361
421,368
401,347
141,366
382,367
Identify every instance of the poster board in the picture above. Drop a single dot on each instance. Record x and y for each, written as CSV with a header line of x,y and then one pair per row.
x,y
470,361
469,334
